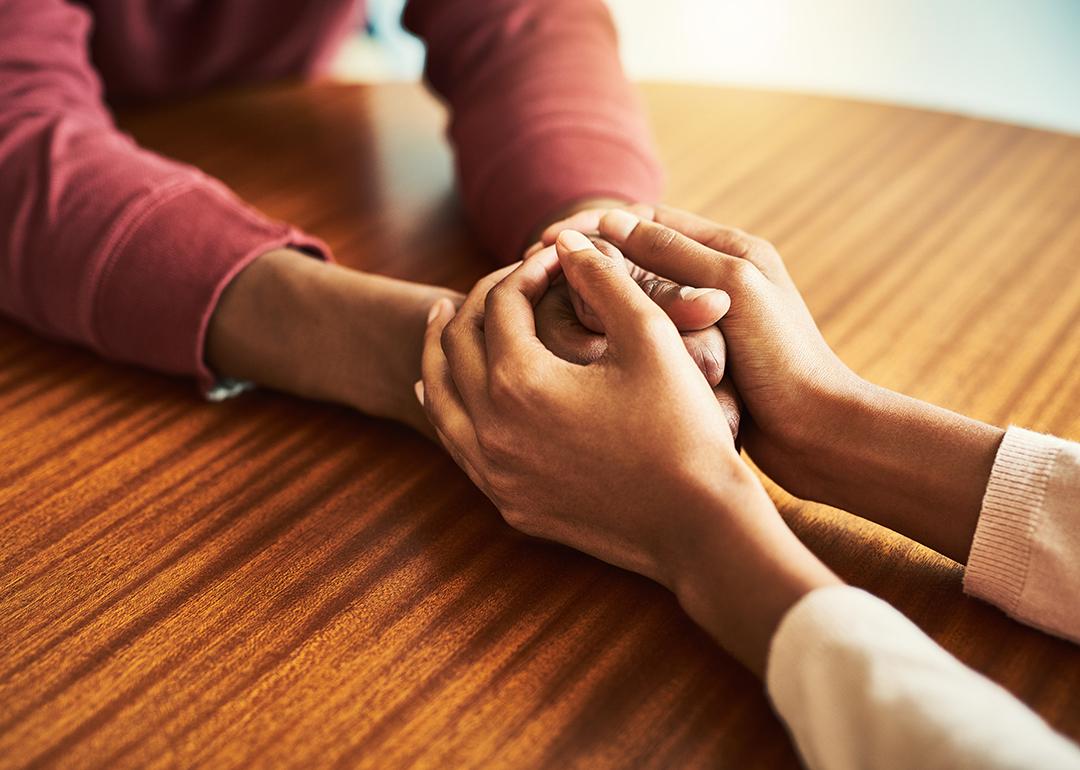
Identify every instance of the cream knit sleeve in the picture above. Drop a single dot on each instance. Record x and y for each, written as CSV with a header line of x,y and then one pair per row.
x,y
1025,557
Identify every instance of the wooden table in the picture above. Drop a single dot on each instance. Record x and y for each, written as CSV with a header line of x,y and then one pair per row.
x,y
272,582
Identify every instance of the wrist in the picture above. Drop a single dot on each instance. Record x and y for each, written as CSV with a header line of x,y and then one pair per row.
x,y
839,440
742,568
387,347
325,332
910,466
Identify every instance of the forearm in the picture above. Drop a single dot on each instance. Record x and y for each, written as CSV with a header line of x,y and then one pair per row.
x,y
859,685
741,600
106,244
541,113
915,468
322,331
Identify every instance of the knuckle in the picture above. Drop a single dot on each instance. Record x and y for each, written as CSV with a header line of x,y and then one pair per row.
x,y
734,418
600,267
520,521
655,288
742,243
499,294
493,440
451,336
602,262
758,244
510,383
770,254
657,327
503,382
488,439
712,361
743,272
661,238
490,443
514,517
764,244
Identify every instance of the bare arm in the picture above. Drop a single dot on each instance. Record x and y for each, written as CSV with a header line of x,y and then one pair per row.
x,y
819,430
323,331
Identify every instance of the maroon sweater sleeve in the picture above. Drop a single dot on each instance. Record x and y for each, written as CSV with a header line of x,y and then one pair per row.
x,y
103,243
541,114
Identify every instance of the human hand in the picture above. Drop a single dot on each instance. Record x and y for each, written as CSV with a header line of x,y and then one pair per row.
x,y
585,218
661,491
569,329
338,334
560,328
790,380
816,428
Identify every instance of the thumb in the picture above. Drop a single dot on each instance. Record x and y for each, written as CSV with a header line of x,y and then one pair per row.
x,y
690,309
630,319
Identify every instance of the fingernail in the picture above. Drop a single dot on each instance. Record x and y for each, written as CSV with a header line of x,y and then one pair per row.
x,y
689,292
618,224
418,388
574,240
434,311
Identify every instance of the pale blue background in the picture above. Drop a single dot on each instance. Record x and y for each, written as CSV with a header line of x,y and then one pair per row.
x,y
1006,59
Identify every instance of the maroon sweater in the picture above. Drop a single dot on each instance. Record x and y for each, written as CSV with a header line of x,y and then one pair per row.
x,y
124,251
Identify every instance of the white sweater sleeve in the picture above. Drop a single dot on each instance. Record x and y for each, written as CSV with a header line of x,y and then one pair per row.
x,y
860,686
1025,557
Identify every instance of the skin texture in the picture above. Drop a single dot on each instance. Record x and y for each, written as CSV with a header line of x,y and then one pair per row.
x,y
660,491
569,329
815,427
322,331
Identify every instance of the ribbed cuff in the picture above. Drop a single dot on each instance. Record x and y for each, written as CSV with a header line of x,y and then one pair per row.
x,y
152,302
1001,551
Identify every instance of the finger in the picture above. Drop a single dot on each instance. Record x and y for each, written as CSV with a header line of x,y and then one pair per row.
x,y
630,319
588,221
668,252
584,313
729,240
463,460
463,339
709,350
439,395
728,400
509,320
688,308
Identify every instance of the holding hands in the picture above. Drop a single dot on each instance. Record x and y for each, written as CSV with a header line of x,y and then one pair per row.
x,y
570,329
628,458
616,443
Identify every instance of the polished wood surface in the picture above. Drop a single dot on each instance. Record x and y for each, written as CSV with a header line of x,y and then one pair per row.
x,y
269,582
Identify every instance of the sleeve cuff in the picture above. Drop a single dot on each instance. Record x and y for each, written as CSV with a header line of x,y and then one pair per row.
x,y
153,299
860,685
1000,556
815,630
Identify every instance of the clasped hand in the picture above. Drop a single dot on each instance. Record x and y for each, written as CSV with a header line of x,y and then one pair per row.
x,y
619,447
572,331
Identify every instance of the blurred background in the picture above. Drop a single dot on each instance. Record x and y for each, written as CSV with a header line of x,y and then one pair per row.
x,y
1011,60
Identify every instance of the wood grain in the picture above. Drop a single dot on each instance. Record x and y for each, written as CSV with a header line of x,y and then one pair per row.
x,y
268,582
